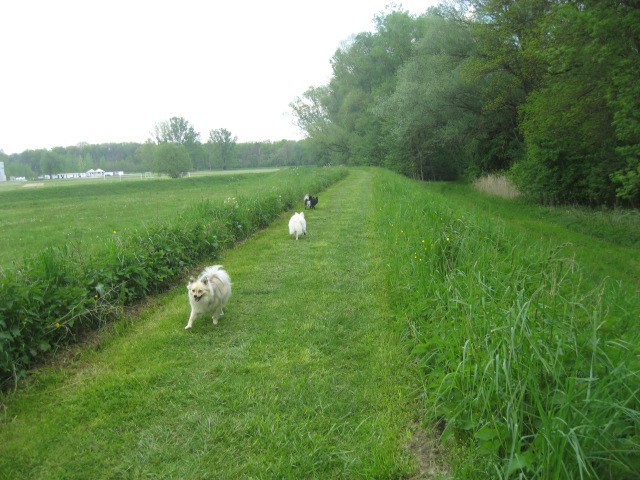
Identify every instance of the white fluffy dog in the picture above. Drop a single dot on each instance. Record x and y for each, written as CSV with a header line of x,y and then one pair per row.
x,y
298,225
209,293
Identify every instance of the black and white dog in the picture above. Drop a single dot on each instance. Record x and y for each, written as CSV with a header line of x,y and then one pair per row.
x,y
310,201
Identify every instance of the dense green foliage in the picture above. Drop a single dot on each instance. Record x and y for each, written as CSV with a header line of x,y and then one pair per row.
x,y
136,158
528,343
546,90
222,146
54,295
171,159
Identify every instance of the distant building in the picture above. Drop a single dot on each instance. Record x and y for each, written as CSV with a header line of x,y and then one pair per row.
x,y
3,177
98,172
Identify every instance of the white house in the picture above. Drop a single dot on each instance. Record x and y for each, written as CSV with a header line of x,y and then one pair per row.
x,y
98,172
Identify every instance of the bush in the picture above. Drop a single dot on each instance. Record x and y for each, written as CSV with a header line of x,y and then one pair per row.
x,y
172,159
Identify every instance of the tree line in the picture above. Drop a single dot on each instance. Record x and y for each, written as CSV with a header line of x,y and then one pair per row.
x,y
175,148
546,91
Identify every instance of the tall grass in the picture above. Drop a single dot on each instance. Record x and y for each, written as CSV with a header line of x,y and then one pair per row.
x,y
527,364
496,185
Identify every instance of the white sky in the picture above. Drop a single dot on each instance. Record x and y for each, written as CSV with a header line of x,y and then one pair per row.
x,y
100,71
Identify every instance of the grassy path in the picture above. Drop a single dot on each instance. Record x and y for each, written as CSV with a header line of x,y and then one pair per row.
x,y
304,377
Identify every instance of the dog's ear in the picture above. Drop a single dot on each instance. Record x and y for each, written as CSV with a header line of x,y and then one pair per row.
x,y
205,281
191,280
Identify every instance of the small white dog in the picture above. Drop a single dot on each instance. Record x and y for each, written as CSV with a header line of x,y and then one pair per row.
x,y
209,293
297,225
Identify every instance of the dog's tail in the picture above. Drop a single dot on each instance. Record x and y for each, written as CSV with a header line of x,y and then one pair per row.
x,y
219,272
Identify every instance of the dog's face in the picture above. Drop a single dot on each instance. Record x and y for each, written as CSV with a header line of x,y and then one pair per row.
x,y
197,289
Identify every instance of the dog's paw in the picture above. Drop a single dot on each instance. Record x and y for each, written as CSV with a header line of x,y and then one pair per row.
x,y
187,327
215,321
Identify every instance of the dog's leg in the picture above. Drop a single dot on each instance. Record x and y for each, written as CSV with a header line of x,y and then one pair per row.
x,y
217,314
192,317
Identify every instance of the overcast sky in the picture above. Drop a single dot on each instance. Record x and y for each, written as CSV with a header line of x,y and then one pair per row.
x,y
109,71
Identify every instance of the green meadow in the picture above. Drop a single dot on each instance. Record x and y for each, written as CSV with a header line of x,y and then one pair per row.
x,y
83,213
419,330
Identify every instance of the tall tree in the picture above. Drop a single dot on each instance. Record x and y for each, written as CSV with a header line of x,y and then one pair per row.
x,y
582,125
433,110
222,146
341,116
508,34
615,31
176,130
312,113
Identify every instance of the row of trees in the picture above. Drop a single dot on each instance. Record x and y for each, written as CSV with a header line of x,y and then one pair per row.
x,y
174,149
546,90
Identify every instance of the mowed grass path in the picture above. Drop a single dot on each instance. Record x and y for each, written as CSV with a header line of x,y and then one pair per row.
x,y
305,376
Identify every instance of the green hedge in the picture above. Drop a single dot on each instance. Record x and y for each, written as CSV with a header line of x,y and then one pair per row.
x,y
55,295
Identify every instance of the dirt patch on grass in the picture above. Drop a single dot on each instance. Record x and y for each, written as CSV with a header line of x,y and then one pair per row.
x,y
432,463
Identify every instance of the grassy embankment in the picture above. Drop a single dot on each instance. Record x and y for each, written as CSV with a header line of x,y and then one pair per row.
x,y
525,324
64,290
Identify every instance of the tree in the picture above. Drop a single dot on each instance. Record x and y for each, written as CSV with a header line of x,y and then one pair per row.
x,y
222,147
50,163
615,32
339,117
176,130
506,67
582,126
145,155
433,110
329,140
171,159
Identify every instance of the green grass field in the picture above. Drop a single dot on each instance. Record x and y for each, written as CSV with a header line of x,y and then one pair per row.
x,y
418,331
305,376
86,212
